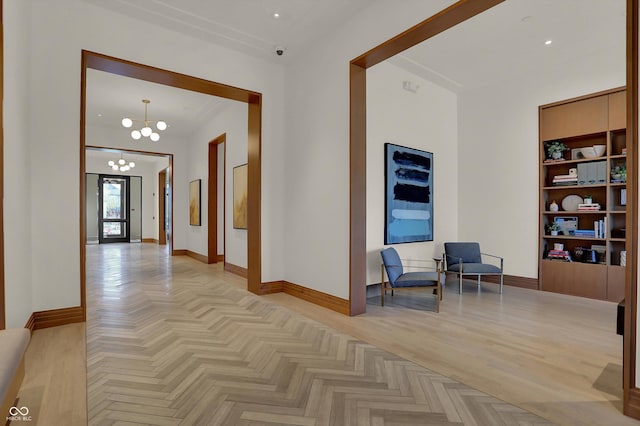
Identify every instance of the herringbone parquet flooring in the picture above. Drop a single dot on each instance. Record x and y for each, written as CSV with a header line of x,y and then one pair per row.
x,y
171,342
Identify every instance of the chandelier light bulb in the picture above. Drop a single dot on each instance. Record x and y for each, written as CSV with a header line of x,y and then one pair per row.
x,y
127,122
115,166
146,131
121,161
111,163
136,135
132,164
161,125
154,137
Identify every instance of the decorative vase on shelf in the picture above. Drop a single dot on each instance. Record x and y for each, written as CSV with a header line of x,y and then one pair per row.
x,y
556,155
553,206
554,233
588,200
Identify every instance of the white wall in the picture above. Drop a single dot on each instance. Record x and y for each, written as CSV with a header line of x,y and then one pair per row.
x,y
232,120
498,155
17,166
316,241
425,120
59,30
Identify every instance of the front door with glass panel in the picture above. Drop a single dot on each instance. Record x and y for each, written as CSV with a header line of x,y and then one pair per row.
x,y
113,219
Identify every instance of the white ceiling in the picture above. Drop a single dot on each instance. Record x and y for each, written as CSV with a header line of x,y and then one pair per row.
x,y
502,43
507,42
245,25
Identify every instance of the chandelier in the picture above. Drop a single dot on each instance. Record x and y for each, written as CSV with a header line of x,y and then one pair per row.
x,y
146,129
121,165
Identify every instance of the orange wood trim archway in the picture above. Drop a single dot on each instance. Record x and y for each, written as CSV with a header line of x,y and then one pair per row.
x,y
125,68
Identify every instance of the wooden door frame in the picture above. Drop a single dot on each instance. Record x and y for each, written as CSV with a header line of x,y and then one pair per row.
x,y
212,198
162,231
98,61
448,18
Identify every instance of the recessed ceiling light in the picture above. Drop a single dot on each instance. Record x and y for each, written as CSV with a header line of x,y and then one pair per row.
x,y
276,15
99,115
548,42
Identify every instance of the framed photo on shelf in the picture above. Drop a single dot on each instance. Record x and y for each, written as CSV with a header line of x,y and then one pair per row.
x,y
568,224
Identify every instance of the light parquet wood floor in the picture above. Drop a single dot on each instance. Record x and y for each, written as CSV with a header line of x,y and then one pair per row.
x,y
554,355
170,342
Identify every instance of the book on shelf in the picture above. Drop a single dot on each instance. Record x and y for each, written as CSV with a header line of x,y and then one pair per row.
x,y
559,255
585,233
588,207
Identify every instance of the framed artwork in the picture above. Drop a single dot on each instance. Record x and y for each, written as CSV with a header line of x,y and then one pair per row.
x,y
240,188
408,195
194,202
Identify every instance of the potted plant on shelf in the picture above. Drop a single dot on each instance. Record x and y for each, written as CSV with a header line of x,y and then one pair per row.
x,y
555,149
619,173
588,199
554,227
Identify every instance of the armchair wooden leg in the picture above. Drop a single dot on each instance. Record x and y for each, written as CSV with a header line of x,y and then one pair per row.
x,y
438,297
478,282
501,282
460,283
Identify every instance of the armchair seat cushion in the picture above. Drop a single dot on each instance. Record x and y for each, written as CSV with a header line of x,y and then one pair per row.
x,y
474,268
417,279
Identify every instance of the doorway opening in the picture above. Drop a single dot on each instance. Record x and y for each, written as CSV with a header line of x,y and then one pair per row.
x,y
114,199
216,200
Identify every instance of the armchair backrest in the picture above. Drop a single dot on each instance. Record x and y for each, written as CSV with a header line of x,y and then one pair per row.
x,y
468,252
392,264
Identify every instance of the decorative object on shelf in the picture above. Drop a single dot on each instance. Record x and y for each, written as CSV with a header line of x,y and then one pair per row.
x,y
408,195
623,196
558,246
240,196
194,202
146,130
573,172
594,151
619,174
554,228
121,164
556,149
623,258
587,199
553,206
576,154
571,202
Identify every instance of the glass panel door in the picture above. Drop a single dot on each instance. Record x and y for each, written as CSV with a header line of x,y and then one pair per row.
x,y
113,204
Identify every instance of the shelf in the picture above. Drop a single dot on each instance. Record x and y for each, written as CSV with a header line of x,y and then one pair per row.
x,y
596,119
560,187
572,237
579,160
564,212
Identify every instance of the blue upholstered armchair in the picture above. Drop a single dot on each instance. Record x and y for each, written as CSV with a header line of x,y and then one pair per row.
x,y
466,259
400,280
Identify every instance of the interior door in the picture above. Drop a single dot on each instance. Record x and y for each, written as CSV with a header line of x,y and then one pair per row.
x,y
113,218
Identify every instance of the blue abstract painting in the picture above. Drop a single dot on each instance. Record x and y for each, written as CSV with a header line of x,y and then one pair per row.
x,y
408,195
